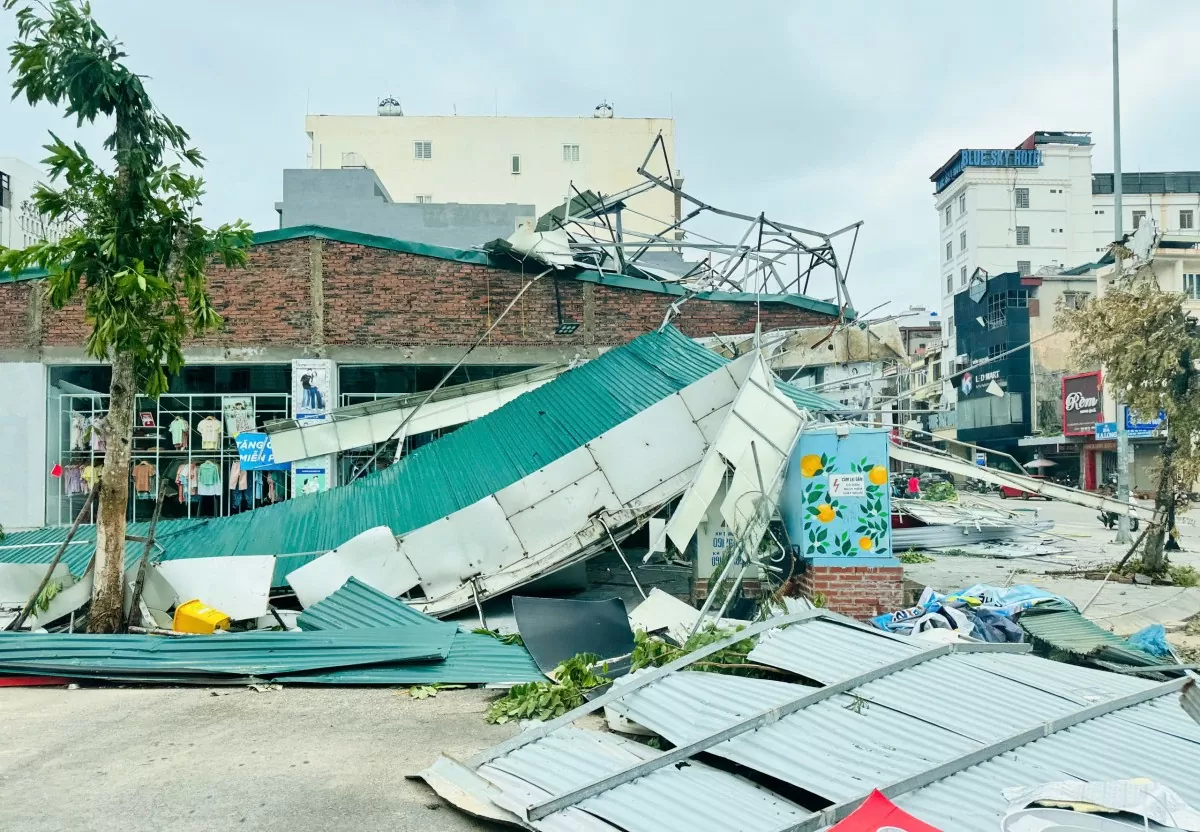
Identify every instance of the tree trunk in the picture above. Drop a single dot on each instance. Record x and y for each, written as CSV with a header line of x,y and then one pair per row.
x,y
108,593
1153,560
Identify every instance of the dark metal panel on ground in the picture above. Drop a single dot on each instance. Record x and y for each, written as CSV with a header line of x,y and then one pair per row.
x,y
555,629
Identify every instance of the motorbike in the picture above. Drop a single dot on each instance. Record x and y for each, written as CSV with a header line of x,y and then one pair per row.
x,y
1111,519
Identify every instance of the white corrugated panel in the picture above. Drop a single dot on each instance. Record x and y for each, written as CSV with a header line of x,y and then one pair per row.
x,y
1110,747
685,707
1083,684
947,691
828,652
374,557
668,799
476,540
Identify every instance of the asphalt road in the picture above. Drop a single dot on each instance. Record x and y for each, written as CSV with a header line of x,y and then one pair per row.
x,y
183,759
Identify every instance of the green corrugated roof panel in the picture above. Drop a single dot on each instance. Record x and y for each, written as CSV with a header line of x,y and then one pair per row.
x,y
459,469
356,605
259,654
1064,629
474,659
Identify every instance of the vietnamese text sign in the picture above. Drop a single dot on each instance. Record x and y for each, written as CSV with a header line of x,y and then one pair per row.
x,y
847,485
255,454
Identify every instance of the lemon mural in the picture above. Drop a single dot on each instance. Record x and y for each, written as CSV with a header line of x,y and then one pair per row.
x,y
862,522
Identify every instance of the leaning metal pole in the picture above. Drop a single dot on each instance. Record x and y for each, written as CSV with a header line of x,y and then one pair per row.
x,y
1122,411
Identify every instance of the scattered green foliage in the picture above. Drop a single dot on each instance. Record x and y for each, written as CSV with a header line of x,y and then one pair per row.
x,y
649,651
1184,575
48,593
547,700
819,600
503,638
430,691
940,492
913,556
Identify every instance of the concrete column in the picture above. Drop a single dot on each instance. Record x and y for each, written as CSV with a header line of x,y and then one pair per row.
x,y
316,283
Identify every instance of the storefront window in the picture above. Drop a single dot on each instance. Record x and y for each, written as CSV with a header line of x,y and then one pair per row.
x,y
185,439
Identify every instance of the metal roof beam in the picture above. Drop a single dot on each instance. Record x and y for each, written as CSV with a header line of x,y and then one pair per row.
x,y
811,696
909,784
535,734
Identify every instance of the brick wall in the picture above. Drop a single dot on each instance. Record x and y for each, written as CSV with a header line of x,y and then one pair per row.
x,y
856,591
375,297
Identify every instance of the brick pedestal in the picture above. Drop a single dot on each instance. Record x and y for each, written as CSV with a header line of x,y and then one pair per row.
x,y
856,591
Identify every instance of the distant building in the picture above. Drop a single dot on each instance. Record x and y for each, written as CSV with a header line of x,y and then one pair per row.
x,y
1040,207
498,160
354,199
20,223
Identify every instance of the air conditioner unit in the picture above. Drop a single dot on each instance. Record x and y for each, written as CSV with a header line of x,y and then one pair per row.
x,y
945,343
962,360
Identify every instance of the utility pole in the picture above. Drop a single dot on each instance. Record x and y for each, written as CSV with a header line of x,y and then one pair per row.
x,y
1118,212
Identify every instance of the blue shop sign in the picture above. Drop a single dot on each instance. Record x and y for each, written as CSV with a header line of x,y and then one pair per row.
x,y
1151,426
1018,158
255,454
1134,430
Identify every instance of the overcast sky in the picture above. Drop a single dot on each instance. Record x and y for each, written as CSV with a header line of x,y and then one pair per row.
x,y
819,114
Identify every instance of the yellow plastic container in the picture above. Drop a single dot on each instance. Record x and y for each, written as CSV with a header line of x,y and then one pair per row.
x,y
197,617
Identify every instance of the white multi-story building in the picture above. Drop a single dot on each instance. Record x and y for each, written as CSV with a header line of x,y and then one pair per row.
x,y
502,159
20,224
1040,206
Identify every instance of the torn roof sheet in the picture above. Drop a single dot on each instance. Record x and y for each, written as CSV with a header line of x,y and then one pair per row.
x,y
357,605
442,477
918,726
1061,628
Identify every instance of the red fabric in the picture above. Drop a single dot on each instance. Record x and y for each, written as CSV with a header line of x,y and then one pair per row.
x,y
914,485
877,812
31,681
56,471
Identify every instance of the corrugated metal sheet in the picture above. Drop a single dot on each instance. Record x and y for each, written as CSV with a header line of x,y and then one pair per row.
x,y
459,469
903,724
1107,748
357,605
827,651
1065,629
473,659
694,797
252,654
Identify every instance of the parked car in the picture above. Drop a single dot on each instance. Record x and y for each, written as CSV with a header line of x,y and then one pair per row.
x,y
1011,492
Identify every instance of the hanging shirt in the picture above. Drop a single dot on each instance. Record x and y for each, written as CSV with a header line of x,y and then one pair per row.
x,y
95,429
72,481
179,432
91,474
77,426
185,477
210,433
143,473
209,479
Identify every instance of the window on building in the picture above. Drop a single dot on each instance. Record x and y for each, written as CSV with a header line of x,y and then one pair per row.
x,y
1023,268
422,150
1187,219
1018,298
5,191
1191,286
950,328
1074,300
962,204
962,276
516,163
1022,197
950,251
948,218
1022,235
423,199
995,316
571,153
996,350
1138,216
949,284
962,241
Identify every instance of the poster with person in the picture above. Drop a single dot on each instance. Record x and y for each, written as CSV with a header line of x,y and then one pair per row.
x,y
239,414
312,391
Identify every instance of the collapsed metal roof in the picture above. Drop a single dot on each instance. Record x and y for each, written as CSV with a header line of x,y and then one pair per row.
x,y
438,479
941,730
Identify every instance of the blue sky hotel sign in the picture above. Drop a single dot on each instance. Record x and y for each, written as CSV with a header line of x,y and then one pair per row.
x,y
1019,158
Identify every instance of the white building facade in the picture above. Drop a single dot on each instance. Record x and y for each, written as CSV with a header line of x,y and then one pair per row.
x,y
502,159
1040,207
20,224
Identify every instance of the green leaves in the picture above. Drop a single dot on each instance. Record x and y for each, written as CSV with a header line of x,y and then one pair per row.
x,y
547,700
